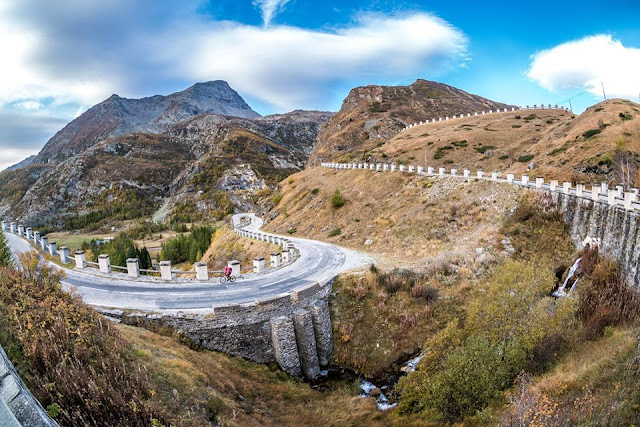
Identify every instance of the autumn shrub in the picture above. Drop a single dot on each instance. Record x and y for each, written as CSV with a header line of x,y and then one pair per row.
x,y
71,358
337,201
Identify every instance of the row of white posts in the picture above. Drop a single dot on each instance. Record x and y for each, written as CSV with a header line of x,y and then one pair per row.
x,y
481,113
288,254
104,264
600,193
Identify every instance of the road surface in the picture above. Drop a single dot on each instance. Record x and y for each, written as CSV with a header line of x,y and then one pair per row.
x,y
318,261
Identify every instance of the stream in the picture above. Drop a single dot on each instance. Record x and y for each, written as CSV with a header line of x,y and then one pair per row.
x,y
561,291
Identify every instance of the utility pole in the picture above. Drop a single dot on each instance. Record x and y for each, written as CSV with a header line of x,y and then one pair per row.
x,y
425,157
570,106
603,93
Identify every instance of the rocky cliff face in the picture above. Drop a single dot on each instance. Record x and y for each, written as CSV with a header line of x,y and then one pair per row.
x,y
371,115
156,114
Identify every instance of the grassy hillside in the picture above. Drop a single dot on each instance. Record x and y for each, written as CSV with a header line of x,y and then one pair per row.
x,y
403,219
601,144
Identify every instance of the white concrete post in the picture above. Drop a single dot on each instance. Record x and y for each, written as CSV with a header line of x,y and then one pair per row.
x,y
579,190
510,177
104,264
235,267
286,256
275,260
539,182
441,171
494,176
202,272
4,225
12,227
420,170
64,254
81,262
454,171
525,180
165,270
566,187
44,243
480,174
465,173
411,169
430,170
36,238
401,168
611,199
372,166
393,168
604,188
20,230
52,248
385,167
258,265
133,268
595,193
628,200
378,166
553,185
29,233
620,189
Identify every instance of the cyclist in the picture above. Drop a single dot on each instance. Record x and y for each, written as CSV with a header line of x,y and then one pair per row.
x,y
227,271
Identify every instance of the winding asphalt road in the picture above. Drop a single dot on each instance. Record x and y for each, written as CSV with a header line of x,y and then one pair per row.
x,y
318,261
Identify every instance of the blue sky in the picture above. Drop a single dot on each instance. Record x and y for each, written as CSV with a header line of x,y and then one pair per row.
x,y
60,58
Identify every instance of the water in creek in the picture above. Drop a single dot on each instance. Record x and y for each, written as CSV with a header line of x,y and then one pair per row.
x,y
562,290
382,400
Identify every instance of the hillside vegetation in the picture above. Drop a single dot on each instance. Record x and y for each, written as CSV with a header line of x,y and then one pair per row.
x,y
601,144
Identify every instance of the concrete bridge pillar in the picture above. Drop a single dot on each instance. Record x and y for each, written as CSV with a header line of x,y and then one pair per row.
x,y
29,233
539,182
81,261
64,254
285,348
235,267
133,268
202,271
306,339
44,243
323,331
165,270
595,193
52,248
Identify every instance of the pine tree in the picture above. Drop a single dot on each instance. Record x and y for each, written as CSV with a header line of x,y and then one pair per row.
x,y
5,254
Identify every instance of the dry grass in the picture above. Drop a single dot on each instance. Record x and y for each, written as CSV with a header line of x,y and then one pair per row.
x,y
557,140
403,219
196,387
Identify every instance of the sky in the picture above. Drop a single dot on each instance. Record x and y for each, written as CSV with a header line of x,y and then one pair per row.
x,y
60,58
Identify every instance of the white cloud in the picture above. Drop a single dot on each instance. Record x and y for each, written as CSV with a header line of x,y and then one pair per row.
x,y
585,63
270,8
29,104
292,67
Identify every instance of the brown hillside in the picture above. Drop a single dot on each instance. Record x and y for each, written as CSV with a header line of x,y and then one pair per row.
x,y
591,147
371,115
402,218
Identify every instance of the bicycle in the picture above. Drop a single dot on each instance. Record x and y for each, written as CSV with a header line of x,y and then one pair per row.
x,y
225,279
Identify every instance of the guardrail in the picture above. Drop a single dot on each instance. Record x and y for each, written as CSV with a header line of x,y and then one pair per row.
x,y
133,270
601,193
482,113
